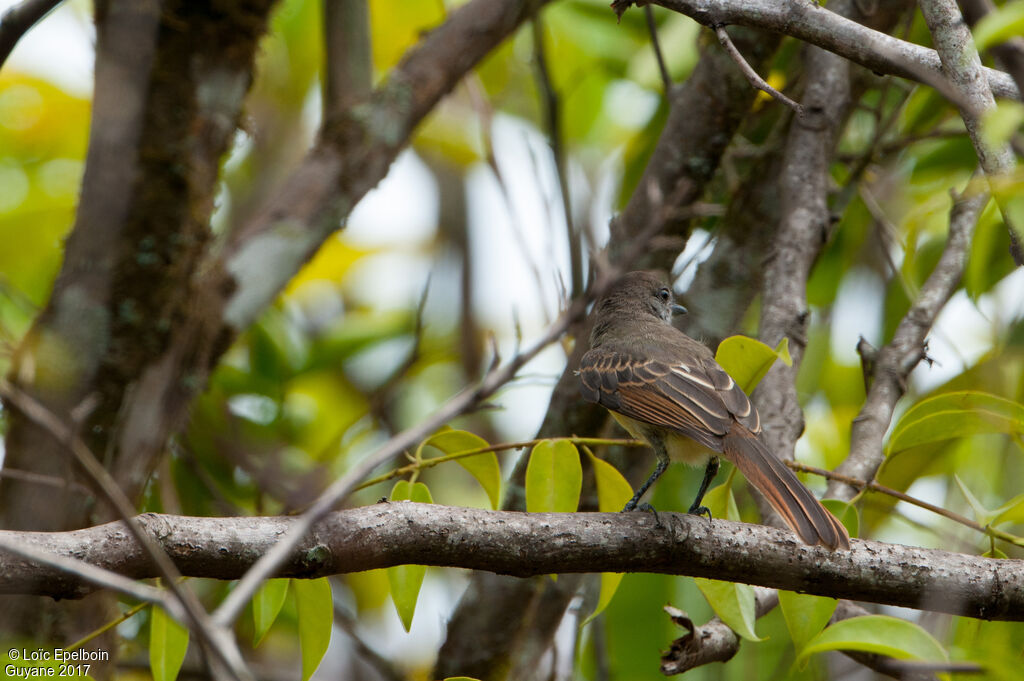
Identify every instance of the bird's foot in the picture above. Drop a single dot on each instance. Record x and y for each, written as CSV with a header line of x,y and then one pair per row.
x,y
700,511
644,508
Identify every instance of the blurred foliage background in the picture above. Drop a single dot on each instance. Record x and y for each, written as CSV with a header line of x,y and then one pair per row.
x,y
467,237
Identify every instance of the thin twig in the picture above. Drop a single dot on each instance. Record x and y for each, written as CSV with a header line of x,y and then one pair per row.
x,y
17,21
902,496
652,28
552,114
751,75
94,575
219,641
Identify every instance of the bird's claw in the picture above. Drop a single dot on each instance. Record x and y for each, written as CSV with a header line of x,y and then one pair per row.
x,y
701,511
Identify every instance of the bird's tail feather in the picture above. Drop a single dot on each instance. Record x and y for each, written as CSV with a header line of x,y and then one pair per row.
x,y
798,507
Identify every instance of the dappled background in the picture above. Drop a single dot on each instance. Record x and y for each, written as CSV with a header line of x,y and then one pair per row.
x,y
470,240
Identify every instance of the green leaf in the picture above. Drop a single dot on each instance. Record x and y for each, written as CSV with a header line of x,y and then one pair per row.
x,y
805,615
846,513
721,502
1000,124
1010,512
1000,25
554,477
955,415
733,603
316,616
406,580
266,604
613,490
484,467
747,360
168,642
877,634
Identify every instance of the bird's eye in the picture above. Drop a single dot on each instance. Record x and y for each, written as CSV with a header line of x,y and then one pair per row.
x,y
664,294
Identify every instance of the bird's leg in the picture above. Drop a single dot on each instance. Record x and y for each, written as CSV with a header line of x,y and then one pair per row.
x,y
709,474
663,462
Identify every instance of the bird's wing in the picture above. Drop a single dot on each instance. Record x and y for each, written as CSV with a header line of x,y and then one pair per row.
x,y
694,397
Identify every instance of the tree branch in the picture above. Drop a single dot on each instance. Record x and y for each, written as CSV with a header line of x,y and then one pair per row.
x,y
897,359
528,544
818,26
961,63
18,20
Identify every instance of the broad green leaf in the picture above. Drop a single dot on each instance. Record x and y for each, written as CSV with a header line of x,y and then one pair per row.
x,y
954,415
877,634
805,615
747,360
406,580
846,513
266,604
315,611
1000,124
1012,511
168,642
1000,25
733,603
554,477
721,502
613,491
484,467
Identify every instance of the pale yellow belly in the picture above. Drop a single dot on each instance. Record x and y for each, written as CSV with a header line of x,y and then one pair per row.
x,y
679,447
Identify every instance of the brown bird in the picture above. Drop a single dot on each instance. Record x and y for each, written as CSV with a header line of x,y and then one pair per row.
x,y
667,389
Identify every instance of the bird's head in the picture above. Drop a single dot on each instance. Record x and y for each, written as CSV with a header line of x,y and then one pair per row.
x,y
641,293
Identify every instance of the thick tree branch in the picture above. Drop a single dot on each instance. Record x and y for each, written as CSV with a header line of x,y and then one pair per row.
x,y
818,26
528,544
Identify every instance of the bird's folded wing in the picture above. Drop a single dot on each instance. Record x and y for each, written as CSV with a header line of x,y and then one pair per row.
x,y
680,396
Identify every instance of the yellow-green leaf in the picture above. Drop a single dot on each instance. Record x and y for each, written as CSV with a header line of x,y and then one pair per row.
x,y
805,615
846,513
954,415
733,603
316,616
721,502
405,580
877,634
266,604
747,360
484,467
168,642
999,25
613,490
554,477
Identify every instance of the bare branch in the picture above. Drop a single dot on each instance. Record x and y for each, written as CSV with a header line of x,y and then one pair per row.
x,y
528,544
961,62
652,28
217,640
819,26
17,21
70,573
752,75
897,358
348,75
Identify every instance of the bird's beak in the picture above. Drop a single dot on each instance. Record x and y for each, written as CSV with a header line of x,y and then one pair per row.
x,y
678,309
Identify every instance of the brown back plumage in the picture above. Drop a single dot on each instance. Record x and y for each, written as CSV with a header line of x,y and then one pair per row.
x,y
641,367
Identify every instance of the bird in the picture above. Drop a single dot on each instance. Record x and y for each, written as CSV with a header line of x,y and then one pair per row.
x,y
666,389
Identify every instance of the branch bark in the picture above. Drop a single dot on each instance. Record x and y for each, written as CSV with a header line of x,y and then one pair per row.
x,y
528,544
818,26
